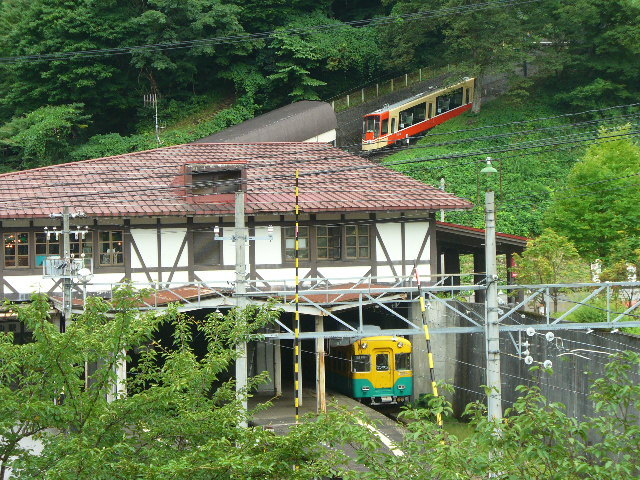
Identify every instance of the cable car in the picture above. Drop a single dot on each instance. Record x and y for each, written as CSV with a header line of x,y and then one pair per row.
x,y
412,116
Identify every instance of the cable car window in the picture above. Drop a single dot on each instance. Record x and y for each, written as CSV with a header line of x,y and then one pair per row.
x,y
382,362
430,110
385,126
393,125
449,101
413,115
361,363
403,361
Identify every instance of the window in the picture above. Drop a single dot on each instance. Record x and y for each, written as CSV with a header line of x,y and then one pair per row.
x,y
206,249
211,180
16,249
80,245
385,126
449,101
430,110
393,125
46,246
110,247
357,238
403,361
413,115
371,124
361,363
382,362
290,243
328,240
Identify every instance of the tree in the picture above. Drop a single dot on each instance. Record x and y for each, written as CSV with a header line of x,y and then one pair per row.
x,y
45,136
590,52
550,258
179,419
597,211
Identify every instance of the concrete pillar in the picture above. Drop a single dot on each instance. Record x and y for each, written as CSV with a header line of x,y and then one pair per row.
x,y
479,277
277,368
321,393
443,346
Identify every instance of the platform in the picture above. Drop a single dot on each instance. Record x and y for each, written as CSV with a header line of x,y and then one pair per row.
x,y
280,416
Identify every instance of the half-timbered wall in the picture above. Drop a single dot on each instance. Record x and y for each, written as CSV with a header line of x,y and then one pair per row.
x,y
176,250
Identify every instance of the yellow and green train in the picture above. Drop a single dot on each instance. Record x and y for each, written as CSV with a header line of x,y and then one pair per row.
x,y
375,370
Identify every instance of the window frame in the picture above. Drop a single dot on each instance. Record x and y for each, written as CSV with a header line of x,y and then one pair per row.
x,y
366,363
329,247
395,359
288,233
16,255
357,246
111,251
86,242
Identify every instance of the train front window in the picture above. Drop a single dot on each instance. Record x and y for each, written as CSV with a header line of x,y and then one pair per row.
x,y
403,361
361,363
371,124
382,362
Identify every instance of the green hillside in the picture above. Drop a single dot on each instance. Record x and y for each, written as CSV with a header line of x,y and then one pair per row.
x,y
526,178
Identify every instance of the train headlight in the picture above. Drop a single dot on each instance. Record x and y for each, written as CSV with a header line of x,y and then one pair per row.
x,y
365,389
401,387
400,344
364,346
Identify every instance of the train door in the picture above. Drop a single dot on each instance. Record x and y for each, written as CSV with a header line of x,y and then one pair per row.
x,y
383,373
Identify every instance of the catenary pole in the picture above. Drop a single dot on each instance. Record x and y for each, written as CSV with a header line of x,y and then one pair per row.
x,y
66,281
241,299
492,325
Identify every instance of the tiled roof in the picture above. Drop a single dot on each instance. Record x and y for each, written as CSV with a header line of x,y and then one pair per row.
x,y
152,183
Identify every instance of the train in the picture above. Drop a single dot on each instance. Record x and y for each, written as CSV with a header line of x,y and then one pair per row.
x,y
400,121
375,370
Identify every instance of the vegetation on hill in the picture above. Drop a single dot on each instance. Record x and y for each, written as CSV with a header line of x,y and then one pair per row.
x,y
584,50
526,178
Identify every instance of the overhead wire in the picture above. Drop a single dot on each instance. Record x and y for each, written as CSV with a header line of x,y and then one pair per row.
x,y
571,139
249,155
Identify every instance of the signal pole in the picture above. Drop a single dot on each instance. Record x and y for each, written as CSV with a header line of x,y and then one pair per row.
x,y
492,326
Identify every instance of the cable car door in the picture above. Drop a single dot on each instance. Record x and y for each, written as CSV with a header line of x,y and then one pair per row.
x,y
383,373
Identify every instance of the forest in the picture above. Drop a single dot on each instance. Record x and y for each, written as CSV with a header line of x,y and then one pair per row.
x,y
73,74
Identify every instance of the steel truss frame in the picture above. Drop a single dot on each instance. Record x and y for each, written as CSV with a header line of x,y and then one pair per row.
x,y
369,290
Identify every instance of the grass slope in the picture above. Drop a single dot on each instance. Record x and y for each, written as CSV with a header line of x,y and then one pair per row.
x,y
526,178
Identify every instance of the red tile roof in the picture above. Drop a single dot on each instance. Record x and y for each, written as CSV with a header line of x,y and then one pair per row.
x,y
456,226
151,183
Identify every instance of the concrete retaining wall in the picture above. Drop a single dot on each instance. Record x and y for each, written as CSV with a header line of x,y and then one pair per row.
x,y
460,360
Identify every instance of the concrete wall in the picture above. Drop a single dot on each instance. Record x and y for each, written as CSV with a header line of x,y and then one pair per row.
x,y
460,361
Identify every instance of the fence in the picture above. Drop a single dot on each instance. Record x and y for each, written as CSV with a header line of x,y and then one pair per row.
x,y
384,87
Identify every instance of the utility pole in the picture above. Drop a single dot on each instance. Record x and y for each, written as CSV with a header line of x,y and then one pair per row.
x,y
492,326
241,301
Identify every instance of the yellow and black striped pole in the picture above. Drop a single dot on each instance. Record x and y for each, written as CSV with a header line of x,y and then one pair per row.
x,y
296,342
427,335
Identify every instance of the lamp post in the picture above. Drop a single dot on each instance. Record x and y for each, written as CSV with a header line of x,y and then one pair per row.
x,y
492,327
